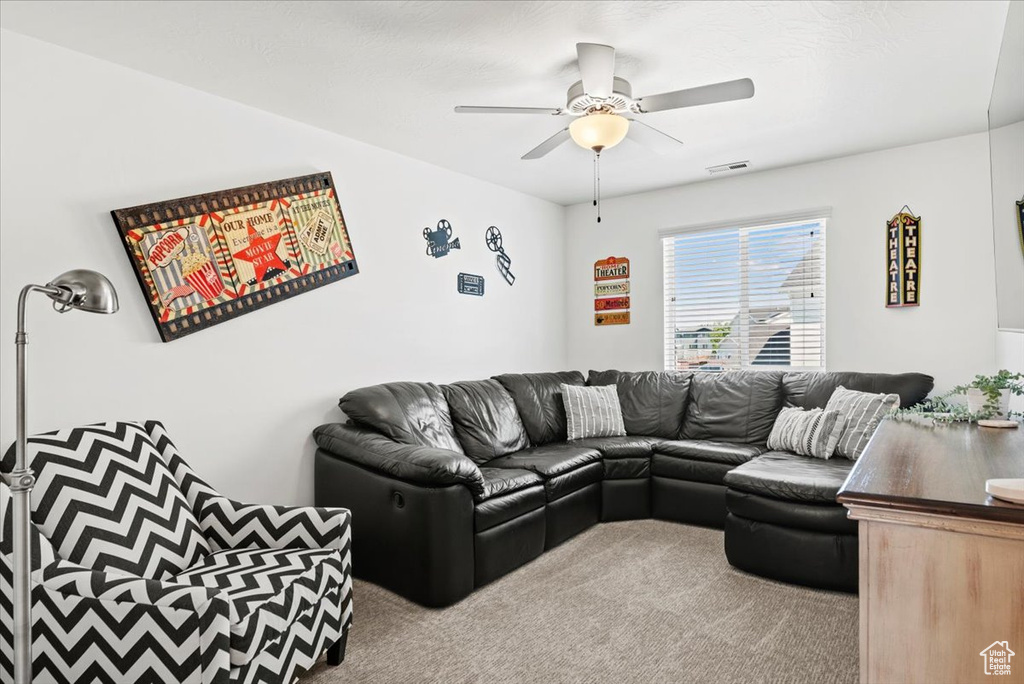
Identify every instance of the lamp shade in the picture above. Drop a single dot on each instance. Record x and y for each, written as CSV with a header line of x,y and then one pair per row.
x,y
85,290
599,130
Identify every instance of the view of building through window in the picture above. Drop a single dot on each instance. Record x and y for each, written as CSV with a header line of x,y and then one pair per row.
x,y
746,297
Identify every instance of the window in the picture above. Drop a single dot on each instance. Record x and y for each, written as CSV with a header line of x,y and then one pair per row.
x,y
747,296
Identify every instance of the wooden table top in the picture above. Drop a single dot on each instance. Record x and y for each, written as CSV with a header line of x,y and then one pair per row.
x,y
937,469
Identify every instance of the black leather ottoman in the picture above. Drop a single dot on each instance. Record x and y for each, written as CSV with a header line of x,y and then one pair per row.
x,y
783,521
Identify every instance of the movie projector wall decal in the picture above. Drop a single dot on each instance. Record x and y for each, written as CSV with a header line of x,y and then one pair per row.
x,y
439,240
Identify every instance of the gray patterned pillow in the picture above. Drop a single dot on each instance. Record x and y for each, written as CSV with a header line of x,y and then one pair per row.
x,y
863,411
592,412
809,433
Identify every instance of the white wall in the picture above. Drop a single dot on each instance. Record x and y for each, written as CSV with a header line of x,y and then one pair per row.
x,y
951,335
81,137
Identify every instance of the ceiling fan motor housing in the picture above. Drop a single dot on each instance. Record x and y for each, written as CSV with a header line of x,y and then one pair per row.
x,y
579,103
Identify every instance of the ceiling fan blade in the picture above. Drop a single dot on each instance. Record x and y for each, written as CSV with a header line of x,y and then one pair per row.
x,y
507,110
548,145
651,137
740,89
597,67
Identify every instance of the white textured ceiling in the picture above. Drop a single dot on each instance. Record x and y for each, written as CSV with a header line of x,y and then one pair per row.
x,y
832,78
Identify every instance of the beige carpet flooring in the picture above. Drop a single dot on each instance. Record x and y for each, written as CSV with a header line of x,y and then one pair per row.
x,y
640,601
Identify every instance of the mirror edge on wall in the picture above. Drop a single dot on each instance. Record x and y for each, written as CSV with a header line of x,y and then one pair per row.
x,y
1006,159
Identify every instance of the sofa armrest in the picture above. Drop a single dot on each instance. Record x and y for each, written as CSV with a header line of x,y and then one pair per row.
x,y
409,462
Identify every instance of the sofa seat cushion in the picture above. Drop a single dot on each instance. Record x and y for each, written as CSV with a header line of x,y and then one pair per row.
x,y
621,447
573,481
557,464
502,481
676,468
550,460
268,590
509,505
816,517
627,468
706,450
786,476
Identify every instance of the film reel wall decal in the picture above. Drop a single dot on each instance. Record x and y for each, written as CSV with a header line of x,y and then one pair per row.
x,y
503,261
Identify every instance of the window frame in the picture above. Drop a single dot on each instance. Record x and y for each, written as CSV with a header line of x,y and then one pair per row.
x,y
819,214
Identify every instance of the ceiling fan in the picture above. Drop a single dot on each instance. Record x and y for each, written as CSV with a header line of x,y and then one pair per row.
x,y
605,107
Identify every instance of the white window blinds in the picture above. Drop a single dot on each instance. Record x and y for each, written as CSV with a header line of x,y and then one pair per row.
x,y
746,297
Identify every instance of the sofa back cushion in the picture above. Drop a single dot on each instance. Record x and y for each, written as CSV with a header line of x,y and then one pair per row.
x,y
538,396
735,406
407,412
105,499
809,389
653,402
485,418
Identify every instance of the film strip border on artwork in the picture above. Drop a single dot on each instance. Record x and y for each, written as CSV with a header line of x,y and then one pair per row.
x,y
173,211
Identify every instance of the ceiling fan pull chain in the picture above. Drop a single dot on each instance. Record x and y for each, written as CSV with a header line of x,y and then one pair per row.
x,y
597,184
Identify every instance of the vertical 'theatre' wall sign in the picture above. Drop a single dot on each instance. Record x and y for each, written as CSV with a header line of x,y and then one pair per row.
x,y
903,259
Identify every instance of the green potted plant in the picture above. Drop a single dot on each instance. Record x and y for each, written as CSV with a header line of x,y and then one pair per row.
x,y
990,394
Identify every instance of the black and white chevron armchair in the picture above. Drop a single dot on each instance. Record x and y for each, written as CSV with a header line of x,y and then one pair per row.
x,y
142,572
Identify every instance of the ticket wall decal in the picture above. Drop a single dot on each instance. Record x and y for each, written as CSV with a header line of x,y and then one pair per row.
x,y
607,289
205,259
903,260
470,284
612,318
612,268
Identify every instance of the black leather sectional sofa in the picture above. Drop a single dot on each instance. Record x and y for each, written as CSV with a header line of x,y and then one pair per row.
x,y
453,486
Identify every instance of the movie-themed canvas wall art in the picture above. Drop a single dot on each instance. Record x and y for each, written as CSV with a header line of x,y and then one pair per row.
x,y
209,258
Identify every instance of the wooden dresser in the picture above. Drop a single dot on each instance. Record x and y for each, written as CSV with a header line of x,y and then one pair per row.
x,y
941,562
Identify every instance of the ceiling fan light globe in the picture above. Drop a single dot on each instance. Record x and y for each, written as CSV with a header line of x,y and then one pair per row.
x,y
599,131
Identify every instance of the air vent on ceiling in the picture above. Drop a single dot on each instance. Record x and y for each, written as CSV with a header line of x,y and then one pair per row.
x,y
731,166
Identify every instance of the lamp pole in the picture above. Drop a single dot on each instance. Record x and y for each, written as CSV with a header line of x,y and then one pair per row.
x,y
21,483
77,289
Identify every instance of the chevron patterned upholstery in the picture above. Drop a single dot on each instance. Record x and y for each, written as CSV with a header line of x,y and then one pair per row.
x,y
143,572
266,590
105,500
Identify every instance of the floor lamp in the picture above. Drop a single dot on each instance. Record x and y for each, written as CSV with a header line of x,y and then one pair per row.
x,y
78,289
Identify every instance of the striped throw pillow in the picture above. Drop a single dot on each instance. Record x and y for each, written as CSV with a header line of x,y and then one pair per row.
x,y
863,411
812,433
592,412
